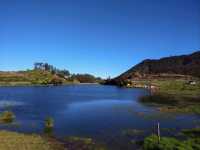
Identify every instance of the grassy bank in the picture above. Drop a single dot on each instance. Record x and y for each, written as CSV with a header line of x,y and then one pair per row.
x,y
168,143
29,77
42,77
18,141
184,139
175,96
173,103
47,141
178,87
190,140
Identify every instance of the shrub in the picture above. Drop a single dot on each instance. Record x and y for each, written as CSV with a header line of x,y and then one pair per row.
x,y
49,124
7,117
56,81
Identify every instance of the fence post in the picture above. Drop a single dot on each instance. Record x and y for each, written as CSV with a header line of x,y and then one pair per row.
x,y
158,132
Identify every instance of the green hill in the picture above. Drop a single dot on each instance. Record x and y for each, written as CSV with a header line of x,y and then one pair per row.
x,y
31,77
44,74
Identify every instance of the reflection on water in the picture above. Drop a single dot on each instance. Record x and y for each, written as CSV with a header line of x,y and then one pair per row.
x,y
8,103
100,112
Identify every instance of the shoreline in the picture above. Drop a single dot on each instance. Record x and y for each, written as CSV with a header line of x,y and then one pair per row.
x,y
43,85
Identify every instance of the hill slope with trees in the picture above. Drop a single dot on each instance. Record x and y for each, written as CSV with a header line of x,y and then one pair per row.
x,y
168,67
44,74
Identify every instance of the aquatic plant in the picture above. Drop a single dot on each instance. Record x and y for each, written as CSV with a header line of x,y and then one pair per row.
x,y
49,124
7,117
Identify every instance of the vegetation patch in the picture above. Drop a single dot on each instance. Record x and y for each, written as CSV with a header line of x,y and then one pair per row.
x,y
169,102
167,143
18,141
194,133
44,74
49,124
77,143
178,87
7,117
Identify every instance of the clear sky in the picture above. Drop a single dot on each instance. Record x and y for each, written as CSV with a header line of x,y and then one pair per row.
x,y
101,37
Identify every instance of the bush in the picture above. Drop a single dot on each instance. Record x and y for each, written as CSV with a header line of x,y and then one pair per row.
x,y
49,124
56,81
7,117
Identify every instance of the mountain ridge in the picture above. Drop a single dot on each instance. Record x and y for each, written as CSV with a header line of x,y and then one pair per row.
x,y
177,66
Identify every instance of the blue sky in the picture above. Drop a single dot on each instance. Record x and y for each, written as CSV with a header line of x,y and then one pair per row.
x,y
101,37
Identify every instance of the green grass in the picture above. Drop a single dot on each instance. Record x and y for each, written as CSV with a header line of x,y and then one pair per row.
x,y
41,77
177,87
175,96
169,143
18,141
173,103
30,77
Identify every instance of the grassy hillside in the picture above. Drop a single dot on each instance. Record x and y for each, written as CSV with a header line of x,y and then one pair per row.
x,y
42,77
44,74
30,77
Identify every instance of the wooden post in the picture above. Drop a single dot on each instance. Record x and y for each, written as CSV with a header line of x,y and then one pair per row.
x,y
158,132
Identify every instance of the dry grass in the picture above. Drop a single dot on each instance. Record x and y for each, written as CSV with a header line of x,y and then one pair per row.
x,y
18,141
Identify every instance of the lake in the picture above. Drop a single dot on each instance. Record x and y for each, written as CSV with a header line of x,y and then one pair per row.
x,y
96,111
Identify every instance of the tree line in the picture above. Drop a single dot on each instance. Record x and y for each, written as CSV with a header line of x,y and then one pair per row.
x,y
65,74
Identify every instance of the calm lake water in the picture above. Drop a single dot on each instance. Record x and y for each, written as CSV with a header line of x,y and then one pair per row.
x,y
97,111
